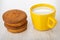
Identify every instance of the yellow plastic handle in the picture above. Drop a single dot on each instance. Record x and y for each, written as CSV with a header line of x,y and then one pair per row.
x,y
51,22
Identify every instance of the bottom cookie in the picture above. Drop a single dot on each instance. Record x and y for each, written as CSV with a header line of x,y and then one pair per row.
x,y
18,30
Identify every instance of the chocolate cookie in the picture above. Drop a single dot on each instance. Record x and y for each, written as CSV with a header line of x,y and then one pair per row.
x,y
14,16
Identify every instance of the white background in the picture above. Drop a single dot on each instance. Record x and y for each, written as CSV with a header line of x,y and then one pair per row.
x,y
30,33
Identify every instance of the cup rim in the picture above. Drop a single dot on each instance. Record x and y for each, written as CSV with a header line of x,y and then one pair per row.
x,y
43,5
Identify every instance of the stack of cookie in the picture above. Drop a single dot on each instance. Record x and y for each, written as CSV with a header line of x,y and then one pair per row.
x,y
15,20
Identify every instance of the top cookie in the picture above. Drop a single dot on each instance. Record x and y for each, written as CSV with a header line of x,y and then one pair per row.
x,y
14,16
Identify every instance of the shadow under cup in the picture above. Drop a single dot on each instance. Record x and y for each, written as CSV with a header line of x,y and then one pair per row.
x,y
43,21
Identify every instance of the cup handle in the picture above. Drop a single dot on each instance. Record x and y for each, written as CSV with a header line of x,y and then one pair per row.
x,y
51,22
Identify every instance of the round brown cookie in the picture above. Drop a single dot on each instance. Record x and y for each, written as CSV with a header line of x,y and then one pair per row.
x,y
12,27
14,16
17,24
23,28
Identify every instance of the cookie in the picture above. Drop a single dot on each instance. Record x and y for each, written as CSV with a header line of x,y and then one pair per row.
x,y
17,24
14,16
13,27
23,28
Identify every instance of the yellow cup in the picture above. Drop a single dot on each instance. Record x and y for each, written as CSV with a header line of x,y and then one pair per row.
x,y
43,22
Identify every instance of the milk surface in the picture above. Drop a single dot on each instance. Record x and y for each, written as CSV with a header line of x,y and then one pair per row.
x,y
42,10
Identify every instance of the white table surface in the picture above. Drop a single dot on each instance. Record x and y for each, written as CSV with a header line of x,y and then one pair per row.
x,y
30,33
